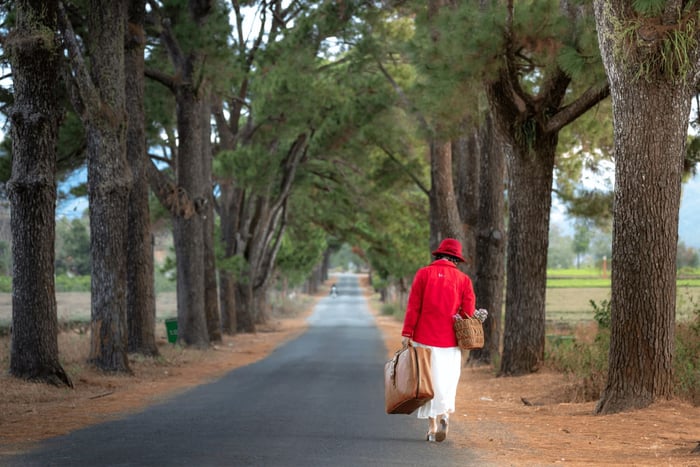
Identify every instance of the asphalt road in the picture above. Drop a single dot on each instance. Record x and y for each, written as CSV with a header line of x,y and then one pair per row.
x,y
316,401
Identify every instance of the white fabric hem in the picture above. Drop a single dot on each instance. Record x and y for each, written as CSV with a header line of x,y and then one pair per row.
x,y
445,366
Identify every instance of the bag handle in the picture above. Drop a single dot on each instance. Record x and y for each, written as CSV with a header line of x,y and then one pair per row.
x,y
395,360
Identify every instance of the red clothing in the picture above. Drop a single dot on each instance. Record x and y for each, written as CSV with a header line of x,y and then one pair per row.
x,y
437,292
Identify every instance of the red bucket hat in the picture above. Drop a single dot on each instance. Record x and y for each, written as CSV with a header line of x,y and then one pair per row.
x,y
450,246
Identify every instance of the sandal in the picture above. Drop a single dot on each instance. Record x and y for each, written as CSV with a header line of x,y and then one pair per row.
x,y
430,437
442,431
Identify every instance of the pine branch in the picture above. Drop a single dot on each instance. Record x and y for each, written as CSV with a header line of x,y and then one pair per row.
x,y
571,112
404,98
83,90
405,170
174,198
163,78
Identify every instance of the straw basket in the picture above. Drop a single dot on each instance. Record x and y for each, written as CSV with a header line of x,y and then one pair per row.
x,y
470,333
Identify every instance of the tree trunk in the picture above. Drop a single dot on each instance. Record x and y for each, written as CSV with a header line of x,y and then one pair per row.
x,y
529,200
211,298
650,127
191,186
141,302
188,228
35,56
230,200
442,194
491,240
109,182
467,173
227,300
245,305
230,203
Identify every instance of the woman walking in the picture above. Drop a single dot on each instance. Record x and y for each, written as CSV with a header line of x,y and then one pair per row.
x,y
438,292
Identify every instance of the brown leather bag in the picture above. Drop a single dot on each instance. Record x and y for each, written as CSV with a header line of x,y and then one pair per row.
x,y
407,380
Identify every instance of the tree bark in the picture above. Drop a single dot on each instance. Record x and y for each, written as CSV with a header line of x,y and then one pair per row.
x,y
491,240
227,300
245,317
650,127
230,203
529,200
189,229
109,182
141,301
444,210
467,173
35,56
188,224
211,296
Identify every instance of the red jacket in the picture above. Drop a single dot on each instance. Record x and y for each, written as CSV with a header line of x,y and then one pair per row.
x,y
437,292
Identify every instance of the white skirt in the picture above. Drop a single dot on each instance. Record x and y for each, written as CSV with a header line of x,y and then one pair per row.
x,y
445,366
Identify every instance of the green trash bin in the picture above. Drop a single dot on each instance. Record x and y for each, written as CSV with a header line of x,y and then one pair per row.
x,y
171,329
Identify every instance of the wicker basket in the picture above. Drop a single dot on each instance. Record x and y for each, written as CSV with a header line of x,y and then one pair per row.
x,y
470,333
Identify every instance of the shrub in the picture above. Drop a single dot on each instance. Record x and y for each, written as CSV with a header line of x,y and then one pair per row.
x,y
586,357
72,284
686,364
388,309
6,284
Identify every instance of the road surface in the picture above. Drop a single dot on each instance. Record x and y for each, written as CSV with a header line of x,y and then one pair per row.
x,y
315,401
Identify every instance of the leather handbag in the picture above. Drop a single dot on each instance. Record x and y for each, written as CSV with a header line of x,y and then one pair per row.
x,y
469,333
407,380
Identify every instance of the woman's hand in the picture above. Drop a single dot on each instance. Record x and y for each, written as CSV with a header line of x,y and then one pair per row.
x,y
405,341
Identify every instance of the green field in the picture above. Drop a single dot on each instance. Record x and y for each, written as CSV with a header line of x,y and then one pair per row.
x,y
570,291
572,304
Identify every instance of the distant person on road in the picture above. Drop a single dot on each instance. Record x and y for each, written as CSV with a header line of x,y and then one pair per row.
x,y
438,292
334,291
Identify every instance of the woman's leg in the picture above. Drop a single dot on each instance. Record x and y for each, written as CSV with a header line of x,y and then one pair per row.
x,y
432,429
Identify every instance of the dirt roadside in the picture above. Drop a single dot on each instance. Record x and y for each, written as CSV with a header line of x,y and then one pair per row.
x,y
491,416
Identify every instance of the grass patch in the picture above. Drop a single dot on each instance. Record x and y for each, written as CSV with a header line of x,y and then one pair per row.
x,y
583,353
391,309
577,283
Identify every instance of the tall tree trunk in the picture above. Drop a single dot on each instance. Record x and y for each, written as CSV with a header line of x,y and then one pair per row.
x,y
491,240
230,202
109,182
35,56
529,200
650,128
189,228
188,224
211,296
442,193
530,124
466,174
141,302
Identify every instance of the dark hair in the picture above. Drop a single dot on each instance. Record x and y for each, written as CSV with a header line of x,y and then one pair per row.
x,y
447,257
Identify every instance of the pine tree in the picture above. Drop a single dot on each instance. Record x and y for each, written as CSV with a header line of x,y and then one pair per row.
x,y
35,57
651,53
